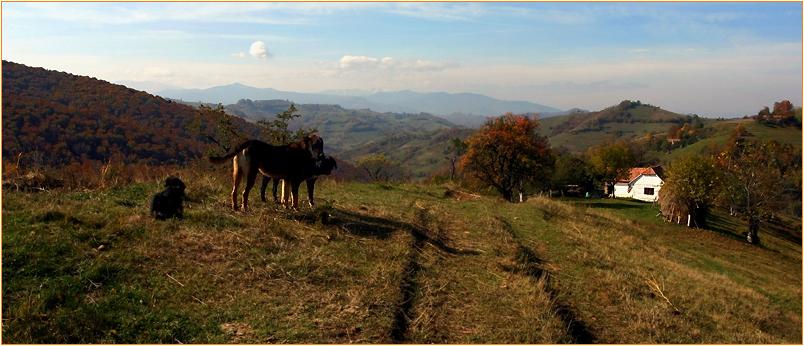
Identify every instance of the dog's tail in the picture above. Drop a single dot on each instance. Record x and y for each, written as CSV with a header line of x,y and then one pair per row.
x,y
221,159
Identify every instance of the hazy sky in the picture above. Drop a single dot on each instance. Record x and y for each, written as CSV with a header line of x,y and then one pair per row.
x,y
708,58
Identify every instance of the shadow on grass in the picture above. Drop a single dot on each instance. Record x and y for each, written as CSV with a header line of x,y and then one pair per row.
x,y
379,227
726,226
528,263
733,227
609,205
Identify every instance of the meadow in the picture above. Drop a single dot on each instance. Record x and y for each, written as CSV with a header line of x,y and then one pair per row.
x,y
382,263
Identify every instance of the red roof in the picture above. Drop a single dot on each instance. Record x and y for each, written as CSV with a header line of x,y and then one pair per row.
x,y
636,172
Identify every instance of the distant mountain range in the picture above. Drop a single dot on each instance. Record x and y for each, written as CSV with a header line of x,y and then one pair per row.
x,y
467,109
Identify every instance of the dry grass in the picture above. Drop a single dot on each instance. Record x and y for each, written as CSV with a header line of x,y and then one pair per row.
x,y
379,264
622,263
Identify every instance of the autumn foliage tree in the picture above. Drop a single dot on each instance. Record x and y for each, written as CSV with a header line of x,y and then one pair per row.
x,y
783,108
507,154
784,114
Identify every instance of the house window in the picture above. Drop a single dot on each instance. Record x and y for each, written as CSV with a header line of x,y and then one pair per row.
x,y
649,191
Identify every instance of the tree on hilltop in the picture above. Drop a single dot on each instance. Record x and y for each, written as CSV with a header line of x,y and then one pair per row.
x,y
276,131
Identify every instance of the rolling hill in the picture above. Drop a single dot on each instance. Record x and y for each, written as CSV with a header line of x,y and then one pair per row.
x,y
722,130
420,154
56,118
461,108
343,129
232,93
632,121
580,130
61,118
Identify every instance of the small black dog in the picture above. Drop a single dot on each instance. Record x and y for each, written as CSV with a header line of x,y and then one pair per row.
x,y
168,203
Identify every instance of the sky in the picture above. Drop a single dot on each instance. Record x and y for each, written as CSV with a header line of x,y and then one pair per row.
x,y
712,59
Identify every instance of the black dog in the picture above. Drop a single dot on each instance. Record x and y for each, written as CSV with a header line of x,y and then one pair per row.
x,y
323,166
168,203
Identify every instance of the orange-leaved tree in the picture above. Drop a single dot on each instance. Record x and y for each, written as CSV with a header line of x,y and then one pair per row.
x,y
507,154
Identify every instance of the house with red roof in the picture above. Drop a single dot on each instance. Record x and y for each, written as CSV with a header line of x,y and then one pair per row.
x,y
642,183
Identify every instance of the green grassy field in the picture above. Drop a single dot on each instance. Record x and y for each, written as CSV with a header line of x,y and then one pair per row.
x,y
384,263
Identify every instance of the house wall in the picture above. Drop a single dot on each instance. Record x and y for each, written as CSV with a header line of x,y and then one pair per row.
x,y
621,190
646,181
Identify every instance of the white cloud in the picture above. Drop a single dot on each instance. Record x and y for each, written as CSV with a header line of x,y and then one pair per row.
x,y
258,50
361,62
357,62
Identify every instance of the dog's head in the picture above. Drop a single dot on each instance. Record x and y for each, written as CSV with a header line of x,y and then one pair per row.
x,y
315,144
325,165
174,184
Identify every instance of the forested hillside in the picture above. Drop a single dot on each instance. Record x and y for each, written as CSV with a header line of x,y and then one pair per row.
x,y
61,118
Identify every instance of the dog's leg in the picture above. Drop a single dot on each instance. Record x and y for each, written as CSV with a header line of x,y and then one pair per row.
x,y
265,180
236,176
251,178
273,190
311,191
285,193
294,193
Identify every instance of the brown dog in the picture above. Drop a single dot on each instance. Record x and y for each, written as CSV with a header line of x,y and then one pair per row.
x,y
294,163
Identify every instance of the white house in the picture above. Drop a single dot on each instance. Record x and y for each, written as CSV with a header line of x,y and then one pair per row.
x,y
643,183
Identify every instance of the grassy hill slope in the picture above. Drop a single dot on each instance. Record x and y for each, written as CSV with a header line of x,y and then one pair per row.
x,y
581,130
420,154
383,263
724,128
